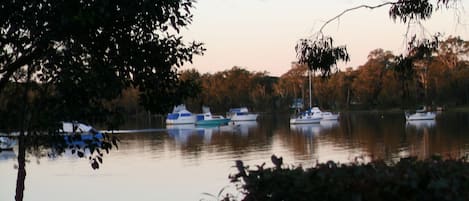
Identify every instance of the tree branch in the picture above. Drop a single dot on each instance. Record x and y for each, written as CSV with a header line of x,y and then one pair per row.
x,y
10,69
352,9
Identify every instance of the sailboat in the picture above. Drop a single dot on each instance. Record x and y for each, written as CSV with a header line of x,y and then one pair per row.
x,y
309,116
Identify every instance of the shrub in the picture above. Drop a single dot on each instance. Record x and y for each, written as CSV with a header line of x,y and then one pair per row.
x,y
408,179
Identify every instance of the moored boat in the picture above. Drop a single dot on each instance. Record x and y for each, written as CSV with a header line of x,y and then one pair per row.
x,y
207,119
307,117
241,114
421,114
7,143
180,115
327,115
77,133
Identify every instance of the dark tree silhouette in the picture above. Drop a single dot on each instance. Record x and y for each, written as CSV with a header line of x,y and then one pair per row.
x,y
85,52
68,59
326,55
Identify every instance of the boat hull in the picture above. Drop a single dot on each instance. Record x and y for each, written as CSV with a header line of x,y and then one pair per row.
x,y
212,122
305,120
190,120
247,117
421,116
330,116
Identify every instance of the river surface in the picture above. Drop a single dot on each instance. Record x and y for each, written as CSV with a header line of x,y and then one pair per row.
x,y
187,163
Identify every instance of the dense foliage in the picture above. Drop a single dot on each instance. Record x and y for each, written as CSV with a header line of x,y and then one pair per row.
x,y
73,57
320,54
408,179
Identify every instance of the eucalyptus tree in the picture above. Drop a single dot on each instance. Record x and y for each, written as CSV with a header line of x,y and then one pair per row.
x,y
320,53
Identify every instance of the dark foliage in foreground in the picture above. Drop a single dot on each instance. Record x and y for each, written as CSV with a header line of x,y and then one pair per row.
x,y
408,179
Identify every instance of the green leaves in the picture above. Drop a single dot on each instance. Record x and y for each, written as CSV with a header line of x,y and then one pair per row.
x,y
320,54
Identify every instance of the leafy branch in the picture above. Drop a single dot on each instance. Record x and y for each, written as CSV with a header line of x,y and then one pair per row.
x,y
320,53
405,10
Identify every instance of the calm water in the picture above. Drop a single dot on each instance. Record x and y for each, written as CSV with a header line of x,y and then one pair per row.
x,y
182,163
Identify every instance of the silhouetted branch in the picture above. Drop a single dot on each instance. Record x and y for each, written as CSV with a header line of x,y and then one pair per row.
x,y
352,9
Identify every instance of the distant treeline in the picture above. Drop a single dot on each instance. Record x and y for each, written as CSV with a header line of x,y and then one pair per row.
x,y
442,80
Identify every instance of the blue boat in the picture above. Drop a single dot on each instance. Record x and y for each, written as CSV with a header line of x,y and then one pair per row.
x,y
207,119
76,133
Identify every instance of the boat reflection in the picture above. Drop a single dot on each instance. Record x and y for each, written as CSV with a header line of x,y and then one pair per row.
x,y
182,133
314,129
330,124
306,129
421,124
7,155
244,127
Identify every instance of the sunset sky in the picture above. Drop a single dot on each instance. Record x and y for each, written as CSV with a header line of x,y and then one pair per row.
x,y
260,35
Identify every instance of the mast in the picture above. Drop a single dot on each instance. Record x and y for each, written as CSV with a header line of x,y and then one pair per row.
x,y
310,98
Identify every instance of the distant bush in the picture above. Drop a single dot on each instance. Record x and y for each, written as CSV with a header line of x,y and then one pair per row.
x,y
408,179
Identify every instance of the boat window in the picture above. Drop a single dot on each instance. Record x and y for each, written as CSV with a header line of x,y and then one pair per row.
x,y
200,117
185,115
173,116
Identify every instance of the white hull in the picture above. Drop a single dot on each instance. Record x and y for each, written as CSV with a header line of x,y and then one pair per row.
x,y
421,116
246,117
305,120
181,120
241,114
329,116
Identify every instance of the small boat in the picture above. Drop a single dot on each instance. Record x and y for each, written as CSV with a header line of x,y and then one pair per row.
x,y
241,114
207,119
77,128
180,115
327,115
308,117
7,143
77,133
421,114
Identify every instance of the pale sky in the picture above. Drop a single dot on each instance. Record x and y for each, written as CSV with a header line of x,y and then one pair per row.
x,y
260,35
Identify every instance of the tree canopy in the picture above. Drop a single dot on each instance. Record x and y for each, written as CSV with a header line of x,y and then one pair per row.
x,y
82,53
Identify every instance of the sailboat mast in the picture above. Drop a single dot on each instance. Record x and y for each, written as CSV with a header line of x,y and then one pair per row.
x,y
310,98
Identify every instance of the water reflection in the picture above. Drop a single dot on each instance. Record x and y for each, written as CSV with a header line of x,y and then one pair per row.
x,y
244,127
199,159
421,124
314,129
7,155
184,132
329,124
306,129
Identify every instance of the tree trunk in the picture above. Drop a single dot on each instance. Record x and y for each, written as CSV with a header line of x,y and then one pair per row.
x,y
21,168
